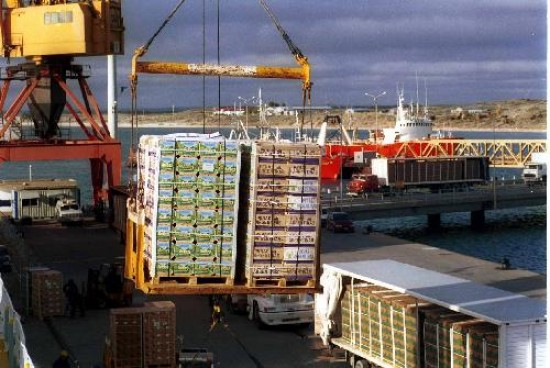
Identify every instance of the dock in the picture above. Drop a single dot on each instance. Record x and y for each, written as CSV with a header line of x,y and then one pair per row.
x,y
73,250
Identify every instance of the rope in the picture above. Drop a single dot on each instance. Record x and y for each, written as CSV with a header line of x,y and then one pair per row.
x,y
292,47
166,21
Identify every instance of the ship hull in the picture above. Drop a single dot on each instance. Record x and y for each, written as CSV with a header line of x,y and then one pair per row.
x,y
338,159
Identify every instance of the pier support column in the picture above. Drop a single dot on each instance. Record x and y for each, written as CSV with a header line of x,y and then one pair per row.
x,y
434,221
477,219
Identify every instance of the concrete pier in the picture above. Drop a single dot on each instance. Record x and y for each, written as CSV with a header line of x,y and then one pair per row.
x,y
73,250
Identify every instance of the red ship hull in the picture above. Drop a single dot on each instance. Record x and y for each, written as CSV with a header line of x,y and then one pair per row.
x,y
338,158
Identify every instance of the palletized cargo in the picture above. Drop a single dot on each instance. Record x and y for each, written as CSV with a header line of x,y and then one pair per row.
x,y
282,234
144,337
48,299
396,315
188,187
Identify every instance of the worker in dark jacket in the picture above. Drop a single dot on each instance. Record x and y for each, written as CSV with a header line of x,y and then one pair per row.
x,y
62,361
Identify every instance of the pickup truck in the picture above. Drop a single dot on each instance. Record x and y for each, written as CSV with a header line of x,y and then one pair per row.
x,y
68,212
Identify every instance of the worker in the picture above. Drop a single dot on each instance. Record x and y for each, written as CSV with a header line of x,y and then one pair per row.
x,y
73,299
62,361
217,314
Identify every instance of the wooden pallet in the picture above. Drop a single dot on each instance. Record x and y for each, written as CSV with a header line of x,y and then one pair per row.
x,y
279,282
196,280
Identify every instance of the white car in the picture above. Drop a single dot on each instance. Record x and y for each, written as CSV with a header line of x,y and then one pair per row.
x,y
280,309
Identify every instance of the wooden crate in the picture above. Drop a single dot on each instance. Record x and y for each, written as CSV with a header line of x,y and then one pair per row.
x,y
47,297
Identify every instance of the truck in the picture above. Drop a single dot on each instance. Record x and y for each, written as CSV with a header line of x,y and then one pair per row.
x,y
535,170
384,313
68,212
275,309
432,172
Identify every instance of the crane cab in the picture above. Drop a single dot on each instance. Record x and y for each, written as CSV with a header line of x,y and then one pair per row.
x,y
62,28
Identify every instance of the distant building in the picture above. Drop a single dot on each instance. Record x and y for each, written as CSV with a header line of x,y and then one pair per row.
x,y
230,111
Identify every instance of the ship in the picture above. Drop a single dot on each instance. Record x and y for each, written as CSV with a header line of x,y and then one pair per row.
x,y
409,137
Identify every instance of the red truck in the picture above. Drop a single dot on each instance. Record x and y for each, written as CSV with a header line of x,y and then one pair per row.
x,y
361,184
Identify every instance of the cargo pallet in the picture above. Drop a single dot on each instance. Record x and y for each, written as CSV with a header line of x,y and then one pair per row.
x,y
134,271
279,282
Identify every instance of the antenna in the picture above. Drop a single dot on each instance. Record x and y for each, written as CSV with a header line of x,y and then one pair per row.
x,y
426,93
417,98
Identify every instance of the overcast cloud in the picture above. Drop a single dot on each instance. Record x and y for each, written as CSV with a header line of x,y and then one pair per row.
x,y
465,50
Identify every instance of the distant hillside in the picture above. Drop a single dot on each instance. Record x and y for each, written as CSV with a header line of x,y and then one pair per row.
x,y
501,115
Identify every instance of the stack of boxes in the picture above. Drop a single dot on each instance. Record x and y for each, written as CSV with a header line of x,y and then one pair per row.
x,y
143,337
382,323
455,340
282,242
48,299
189,190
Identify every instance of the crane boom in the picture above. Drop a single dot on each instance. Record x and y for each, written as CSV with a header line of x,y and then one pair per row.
x,y
181,68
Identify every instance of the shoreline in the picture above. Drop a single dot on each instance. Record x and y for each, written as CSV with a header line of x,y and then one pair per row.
x,y
171,125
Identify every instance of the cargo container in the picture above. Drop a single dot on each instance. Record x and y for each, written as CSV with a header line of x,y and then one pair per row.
x,y
384,313
437,172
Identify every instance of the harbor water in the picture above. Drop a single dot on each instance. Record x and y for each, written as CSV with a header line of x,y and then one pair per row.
x,y
518,234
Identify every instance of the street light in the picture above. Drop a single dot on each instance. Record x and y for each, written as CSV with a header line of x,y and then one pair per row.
x,y
246,101
375,97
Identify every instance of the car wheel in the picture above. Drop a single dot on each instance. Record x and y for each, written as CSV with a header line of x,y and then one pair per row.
x,y
256,316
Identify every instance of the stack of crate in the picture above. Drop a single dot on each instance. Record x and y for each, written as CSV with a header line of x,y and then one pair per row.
x,y
126,337
188,186
48,299
282,237
144,337
475,344
443,346
382,323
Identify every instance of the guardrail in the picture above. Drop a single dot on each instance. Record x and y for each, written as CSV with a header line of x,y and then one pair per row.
x,y
497,190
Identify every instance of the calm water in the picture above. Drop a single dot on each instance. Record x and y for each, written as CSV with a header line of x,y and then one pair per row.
x,y
519,234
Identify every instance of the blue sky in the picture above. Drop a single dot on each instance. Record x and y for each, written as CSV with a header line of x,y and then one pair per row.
x,y
465,50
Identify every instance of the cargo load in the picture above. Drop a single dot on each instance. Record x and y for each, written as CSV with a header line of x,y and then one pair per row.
x,y
282,233
391,314
188,186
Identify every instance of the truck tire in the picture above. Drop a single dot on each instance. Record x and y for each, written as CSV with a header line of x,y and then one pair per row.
x,y
361,363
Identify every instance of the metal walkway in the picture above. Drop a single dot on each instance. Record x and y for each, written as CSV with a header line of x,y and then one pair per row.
x,y
510,153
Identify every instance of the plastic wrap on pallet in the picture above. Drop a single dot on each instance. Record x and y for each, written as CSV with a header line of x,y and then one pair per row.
x,y
282,237
188,185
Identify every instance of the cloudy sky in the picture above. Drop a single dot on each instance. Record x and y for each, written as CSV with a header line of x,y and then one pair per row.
x,y
464,50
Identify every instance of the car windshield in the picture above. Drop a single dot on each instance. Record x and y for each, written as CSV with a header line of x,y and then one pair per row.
x,y
340,216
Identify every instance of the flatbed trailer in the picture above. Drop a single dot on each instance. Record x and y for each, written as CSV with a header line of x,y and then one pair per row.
x,y
384,313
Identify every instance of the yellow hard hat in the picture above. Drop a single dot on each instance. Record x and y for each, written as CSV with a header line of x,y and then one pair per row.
x,y
64,353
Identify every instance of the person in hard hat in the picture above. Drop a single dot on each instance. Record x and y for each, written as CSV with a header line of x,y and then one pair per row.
x,y
62,361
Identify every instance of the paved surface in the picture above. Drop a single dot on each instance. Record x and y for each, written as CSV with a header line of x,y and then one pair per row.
x,y
241,344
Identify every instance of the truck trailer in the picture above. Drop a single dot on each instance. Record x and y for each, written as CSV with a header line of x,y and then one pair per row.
x,y
432,172
385,313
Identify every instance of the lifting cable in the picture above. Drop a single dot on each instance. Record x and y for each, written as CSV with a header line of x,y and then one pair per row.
x,y
133,90
300,58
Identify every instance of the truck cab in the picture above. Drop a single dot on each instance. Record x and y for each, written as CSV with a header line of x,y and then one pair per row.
x,y
280,309
68,211
535,170
361,184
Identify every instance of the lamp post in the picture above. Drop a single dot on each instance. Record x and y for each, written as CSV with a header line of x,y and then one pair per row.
x,y
246,101
375,97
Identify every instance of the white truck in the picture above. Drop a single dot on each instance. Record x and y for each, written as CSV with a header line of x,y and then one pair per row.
x,y
535,170
385,313
68,212
275,309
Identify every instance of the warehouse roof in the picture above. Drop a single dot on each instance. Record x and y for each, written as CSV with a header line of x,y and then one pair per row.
x,y
464,296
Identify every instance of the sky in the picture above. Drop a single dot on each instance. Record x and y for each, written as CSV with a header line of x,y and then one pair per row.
x,y
463,51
